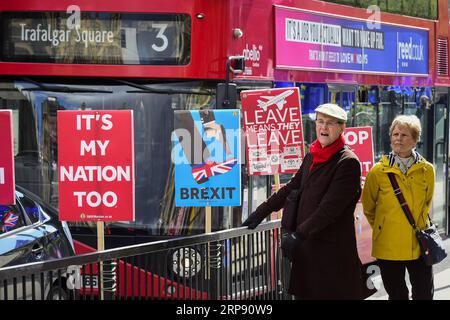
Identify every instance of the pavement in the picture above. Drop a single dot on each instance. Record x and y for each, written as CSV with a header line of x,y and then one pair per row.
x,y
441,280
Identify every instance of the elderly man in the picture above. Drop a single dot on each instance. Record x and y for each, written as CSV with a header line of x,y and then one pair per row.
x,y
322,244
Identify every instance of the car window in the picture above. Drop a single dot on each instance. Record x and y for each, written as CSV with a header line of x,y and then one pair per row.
x,y
10,219
31,208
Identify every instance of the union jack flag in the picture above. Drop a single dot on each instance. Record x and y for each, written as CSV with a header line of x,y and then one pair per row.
x,y
201,172
10,221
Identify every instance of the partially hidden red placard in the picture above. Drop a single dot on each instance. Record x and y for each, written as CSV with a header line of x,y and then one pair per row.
x,y
7,184
359,139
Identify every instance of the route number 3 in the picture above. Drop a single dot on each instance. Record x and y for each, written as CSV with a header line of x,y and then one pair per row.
x,y
165,42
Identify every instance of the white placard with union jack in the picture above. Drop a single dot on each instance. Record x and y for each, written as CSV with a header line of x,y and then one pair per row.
x,y
206,156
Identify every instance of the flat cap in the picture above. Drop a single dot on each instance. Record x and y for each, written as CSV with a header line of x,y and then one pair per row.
x,y
332,110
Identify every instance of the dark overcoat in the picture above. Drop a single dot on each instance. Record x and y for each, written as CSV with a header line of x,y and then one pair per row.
x,y
326,264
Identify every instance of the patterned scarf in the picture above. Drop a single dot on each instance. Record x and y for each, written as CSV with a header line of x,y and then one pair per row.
x,y
404,167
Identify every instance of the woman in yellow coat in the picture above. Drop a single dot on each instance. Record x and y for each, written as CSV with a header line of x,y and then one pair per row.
x,y
394,243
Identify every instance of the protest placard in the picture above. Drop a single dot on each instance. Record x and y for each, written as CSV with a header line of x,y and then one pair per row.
x,y
272,123
96,165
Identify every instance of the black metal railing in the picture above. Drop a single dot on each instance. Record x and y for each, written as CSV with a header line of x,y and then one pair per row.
x,y
236,264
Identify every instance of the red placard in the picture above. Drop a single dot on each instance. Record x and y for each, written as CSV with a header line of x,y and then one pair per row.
x,y
7,183
359,139
96,165
273,130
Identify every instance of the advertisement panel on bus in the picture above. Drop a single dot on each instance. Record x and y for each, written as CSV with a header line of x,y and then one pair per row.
x,y
317,41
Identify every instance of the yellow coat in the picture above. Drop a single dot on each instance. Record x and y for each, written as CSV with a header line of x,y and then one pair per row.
x,y
392,236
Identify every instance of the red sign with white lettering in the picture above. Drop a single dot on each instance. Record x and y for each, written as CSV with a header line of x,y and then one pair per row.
x,y
359,139
96,165
7,184
273,130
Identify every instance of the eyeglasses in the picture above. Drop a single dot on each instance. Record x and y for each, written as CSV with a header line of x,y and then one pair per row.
x,y
323,124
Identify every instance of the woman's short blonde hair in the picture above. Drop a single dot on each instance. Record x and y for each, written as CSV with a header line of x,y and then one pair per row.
x,y
411,122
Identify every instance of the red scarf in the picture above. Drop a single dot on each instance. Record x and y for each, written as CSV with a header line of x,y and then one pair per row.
x,y
321,155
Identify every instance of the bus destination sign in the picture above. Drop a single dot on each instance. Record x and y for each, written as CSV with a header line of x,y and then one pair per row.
x,y
96,38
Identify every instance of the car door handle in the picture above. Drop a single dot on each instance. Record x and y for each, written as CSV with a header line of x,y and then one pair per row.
x,y
37,248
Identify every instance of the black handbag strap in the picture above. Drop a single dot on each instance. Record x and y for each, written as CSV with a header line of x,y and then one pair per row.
x,y
398,193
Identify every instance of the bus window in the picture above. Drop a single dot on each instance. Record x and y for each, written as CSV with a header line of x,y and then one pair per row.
x,y
11,99
389,107
365,110
427,9
440,161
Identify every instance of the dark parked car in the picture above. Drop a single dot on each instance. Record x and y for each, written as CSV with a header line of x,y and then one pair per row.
x,y
31,232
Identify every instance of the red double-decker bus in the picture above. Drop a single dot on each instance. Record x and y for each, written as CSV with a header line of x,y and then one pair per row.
x,y
155,57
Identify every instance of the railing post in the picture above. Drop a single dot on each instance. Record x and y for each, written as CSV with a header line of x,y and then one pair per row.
x,y
215,262
285,268
109,279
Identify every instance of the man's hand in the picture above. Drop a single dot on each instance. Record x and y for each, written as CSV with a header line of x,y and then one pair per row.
x,y
253,220
290,243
